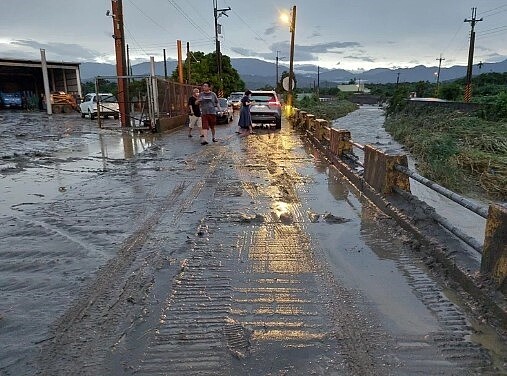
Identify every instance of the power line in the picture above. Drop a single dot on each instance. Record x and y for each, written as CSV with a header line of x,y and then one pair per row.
x,y
247,25
182,12
490,32
488,13
134,39
199,14
148,17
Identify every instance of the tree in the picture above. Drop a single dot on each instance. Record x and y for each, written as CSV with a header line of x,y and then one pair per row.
x,y
203,67
451,91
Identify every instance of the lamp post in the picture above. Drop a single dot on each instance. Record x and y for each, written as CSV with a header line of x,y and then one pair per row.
x,y
290,99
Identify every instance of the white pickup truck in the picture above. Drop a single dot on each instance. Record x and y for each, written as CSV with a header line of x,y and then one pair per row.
x,y
108,105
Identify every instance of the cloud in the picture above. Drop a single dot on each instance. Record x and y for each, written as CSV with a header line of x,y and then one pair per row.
x,y
368,59
61,50
302,52
271,30
243,51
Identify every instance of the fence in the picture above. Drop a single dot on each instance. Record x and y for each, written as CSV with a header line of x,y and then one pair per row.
x,y
151,101
388,174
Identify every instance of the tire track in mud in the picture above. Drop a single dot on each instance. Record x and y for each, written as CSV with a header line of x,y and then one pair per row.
x,y
80,334
85,335
453,340
193,334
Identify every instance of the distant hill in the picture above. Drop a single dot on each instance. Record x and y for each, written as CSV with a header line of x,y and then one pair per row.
x,y
258,73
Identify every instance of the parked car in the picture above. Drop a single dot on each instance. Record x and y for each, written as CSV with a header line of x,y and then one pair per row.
x,y
226,115
11,100
108,105
266,108
235,99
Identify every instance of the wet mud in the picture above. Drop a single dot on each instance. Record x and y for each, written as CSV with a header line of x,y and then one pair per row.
x,y
133,254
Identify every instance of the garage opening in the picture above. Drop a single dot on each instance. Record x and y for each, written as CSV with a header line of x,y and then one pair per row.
x,y
21,82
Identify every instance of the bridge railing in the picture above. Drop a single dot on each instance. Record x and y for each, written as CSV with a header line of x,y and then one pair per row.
x,y
388,174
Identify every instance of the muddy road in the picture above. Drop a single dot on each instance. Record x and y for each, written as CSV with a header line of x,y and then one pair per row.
x,y
155,255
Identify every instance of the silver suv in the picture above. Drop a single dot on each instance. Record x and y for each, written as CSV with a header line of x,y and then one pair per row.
x,y
266,108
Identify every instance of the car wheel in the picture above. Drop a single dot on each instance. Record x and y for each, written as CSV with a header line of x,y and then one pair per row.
x,y
82,115
116,117
278,124
92,116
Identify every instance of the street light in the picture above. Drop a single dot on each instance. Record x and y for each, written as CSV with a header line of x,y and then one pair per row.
x,y
291,20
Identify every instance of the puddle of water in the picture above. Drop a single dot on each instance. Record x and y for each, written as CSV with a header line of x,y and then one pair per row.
x,y
363,254
485,335
57,218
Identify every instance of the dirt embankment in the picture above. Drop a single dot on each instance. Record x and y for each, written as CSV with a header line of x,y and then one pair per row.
x,y
461,152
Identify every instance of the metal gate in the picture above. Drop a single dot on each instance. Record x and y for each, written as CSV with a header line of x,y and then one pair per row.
x,y
149,99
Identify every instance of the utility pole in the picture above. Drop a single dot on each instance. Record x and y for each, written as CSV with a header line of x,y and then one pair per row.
x,y
180,61
438,74
290,95
188,63
276,79
397,80
218,13
121,65
165,66
318,82
468,88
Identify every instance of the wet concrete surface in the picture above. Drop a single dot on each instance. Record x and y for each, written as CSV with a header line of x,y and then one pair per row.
x,y
148,255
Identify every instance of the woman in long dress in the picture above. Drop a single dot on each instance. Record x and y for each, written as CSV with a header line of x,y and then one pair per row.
x,y
245,118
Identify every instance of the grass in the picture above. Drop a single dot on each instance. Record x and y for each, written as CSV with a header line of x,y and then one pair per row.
x,y
327,110
459,151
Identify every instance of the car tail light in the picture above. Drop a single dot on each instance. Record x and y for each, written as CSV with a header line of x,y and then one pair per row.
x,y
274,102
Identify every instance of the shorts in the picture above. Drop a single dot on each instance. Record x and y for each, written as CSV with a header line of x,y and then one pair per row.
x,y
194,121
209,121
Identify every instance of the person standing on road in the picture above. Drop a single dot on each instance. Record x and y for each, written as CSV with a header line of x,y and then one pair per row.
x,y
208,101
194,113
245,118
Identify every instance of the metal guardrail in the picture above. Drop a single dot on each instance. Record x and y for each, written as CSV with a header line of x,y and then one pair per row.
x,y
477,209
380,179
447,225
359,146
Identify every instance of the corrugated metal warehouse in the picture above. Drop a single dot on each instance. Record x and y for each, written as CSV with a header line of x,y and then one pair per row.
x,y
26,77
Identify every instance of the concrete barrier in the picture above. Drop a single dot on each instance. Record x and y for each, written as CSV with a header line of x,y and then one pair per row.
x,y
320,126
378,183
380,173
170,123
308,123
340,141
494,256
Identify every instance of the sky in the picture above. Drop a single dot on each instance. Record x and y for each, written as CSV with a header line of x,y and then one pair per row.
x,y
353,35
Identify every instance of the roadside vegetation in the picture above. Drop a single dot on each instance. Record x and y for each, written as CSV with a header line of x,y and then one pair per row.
x,y
335,108
465,152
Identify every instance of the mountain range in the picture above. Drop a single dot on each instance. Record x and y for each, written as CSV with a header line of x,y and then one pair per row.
x,y
257,73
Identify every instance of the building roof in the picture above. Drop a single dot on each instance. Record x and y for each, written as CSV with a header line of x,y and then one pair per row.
x,y
9,62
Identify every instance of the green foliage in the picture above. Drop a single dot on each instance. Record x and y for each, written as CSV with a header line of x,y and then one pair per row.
x,y
203,67
397,102
451,91
326,110
423,89
104,86
307,102
461,152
